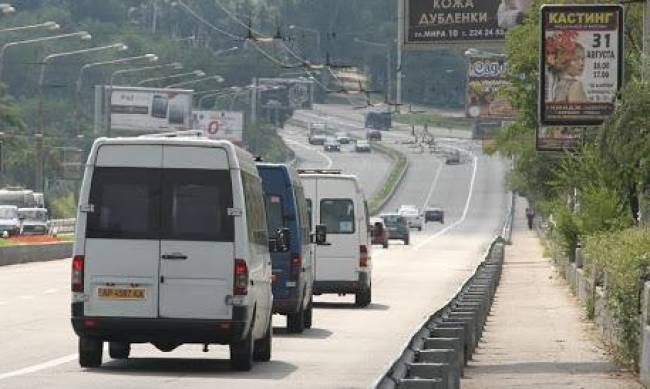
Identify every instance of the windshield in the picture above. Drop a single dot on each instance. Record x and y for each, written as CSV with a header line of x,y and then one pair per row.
x,y
392,219
35,215
8,213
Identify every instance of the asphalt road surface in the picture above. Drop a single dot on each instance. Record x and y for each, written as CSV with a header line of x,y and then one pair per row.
x,y
347,348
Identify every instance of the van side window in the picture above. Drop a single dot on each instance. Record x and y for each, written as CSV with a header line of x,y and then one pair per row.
x,y
309,212
303,218
126,202
255,212
338,216
274,213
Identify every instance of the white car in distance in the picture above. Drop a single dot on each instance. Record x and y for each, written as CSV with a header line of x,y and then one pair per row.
x,y
412,215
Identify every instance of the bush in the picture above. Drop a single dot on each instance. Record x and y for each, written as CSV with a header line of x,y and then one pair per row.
x,y
625,257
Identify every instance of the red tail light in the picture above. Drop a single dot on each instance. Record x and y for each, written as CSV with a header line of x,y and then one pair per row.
x,y
296,265
240,285
364,258
78,273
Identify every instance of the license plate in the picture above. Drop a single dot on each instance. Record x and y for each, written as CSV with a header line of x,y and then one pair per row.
x,y
121,293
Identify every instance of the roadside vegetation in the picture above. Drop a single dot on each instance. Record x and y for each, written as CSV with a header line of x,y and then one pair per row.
x,y
433,120
592,196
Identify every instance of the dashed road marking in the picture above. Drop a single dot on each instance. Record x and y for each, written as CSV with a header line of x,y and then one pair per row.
x,y
38,367
50,291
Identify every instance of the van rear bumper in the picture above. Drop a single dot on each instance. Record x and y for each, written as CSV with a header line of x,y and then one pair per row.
x,y
161,330
322,287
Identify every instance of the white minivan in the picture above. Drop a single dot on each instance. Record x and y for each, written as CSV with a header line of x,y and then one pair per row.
x,y
343,265
171,248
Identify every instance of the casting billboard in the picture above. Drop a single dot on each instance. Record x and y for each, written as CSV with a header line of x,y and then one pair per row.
x,y
227,125
581,63
484,79
432,22
147,110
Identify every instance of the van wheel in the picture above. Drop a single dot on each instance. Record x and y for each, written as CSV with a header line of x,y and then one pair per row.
x,y
385,245
119,350
263,347
407,241
309,314
296,321
419,228
241,353
363,298
90,352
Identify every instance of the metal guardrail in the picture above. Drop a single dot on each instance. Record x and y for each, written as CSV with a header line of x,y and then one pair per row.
x,y
61,226
436,356
506,232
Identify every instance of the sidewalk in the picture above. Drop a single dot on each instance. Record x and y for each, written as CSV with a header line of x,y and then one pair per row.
x,y
536,336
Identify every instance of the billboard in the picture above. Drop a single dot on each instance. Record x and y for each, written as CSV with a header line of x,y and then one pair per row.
x,y
431,22
581,63
559,138
228,125
286,93
485,77
145,110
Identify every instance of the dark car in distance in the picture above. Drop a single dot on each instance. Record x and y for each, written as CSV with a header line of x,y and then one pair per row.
x,y
434,215
398,227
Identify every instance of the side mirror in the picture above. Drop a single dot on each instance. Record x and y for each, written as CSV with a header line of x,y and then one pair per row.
x,y
321,235
283,240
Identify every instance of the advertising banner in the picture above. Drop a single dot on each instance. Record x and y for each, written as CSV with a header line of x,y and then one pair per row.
x,y
147,110
485,77
559,138
581,63
227,125
431,22
286,93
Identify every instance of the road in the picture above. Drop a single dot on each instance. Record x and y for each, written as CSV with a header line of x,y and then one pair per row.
x,y
347,348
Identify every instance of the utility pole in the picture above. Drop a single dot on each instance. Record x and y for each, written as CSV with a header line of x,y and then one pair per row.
x,y
254,102
154,17
400,39
644,185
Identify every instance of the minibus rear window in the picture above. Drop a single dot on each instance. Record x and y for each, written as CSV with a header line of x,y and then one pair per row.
x,y
337,215
171,204
274,213
126,204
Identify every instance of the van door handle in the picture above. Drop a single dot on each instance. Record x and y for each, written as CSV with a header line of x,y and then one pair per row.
x,y
174,257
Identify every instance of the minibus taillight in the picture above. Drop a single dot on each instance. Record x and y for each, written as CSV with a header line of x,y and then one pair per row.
x,y
364,258
78,273
240,285
296,264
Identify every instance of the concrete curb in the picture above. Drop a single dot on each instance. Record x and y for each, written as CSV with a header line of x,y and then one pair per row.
x,y
12,255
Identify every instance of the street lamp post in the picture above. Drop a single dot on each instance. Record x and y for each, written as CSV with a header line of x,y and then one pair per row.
x,y
79,83
81,34
51,26
39,185
313,31
173,65
217,78
388,62
7,9
196,73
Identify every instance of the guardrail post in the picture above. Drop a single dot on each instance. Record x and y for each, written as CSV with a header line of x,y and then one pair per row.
x,y
645,331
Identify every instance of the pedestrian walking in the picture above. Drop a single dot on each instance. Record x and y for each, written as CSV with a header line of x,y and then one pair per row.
x,y
530,215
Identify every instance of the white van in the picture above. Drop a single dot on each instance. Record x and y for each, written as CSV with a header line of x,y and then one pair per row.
x,y
171,248
343,266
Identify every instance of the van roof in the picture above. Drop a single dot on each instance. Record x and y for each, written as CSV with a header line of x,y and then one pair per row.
x,y
291,172
238,158
334,177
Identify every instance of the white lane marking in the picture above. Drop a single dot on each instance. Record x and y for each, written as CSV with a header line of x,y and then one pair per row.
x,y
3,303
38,367
320,153
50,291
27,297
434,184
465,211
